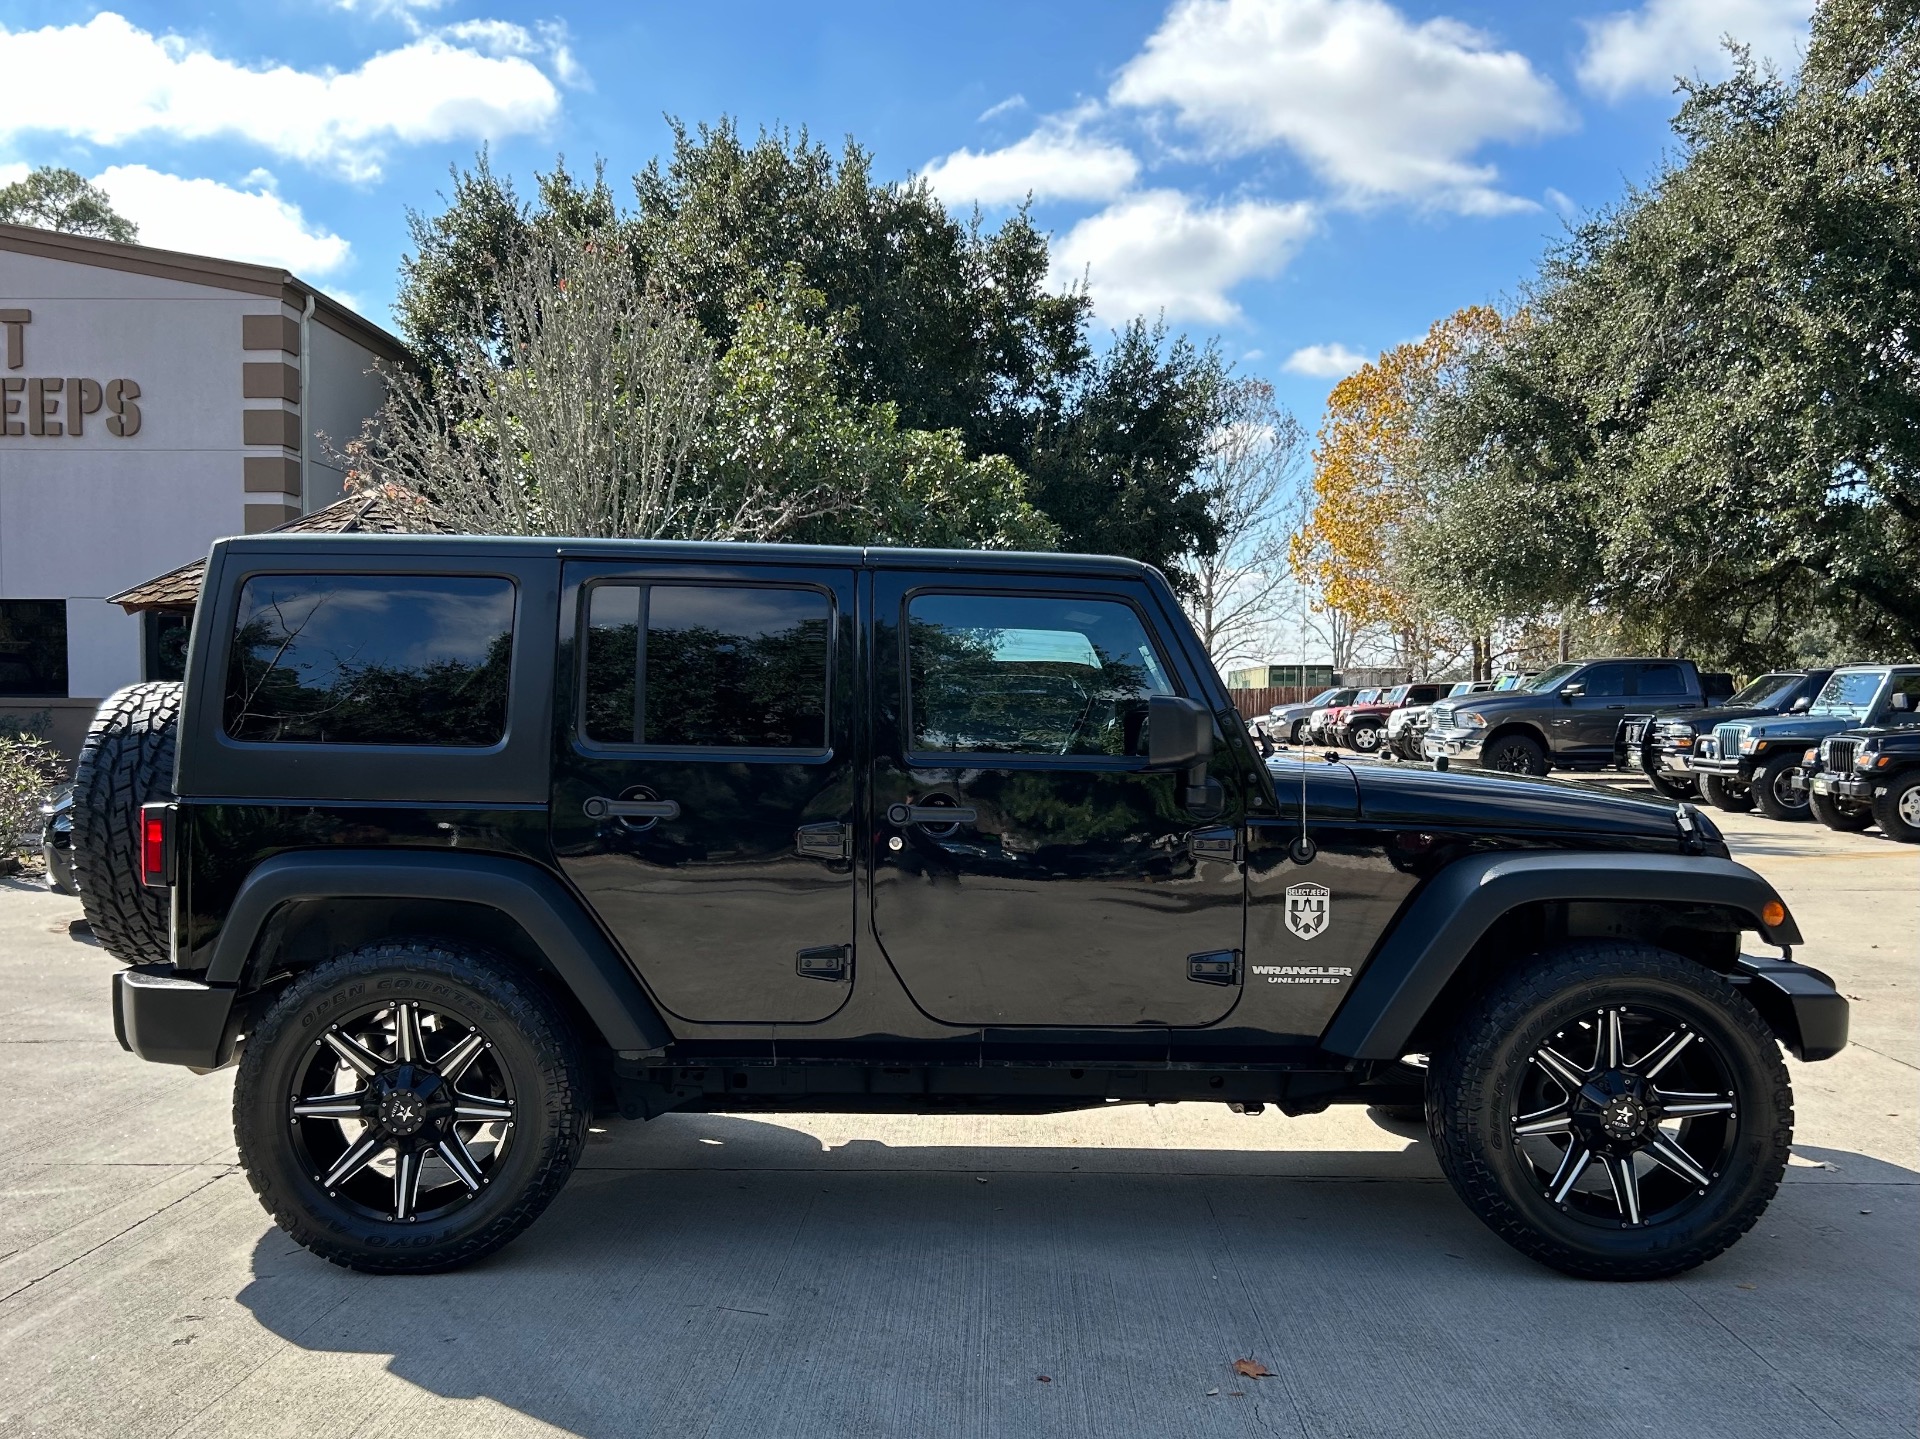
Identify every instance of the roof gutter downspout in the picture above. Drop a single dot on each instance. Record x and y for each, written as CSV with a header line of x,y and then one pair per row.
x,y
306,406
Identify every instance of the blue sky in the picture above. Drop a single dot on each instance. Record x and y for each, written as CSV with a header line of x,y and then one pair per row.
x,y
1309,180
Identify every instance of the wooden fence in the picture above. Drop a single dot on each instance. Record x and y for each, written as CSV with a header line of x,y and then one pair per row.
x,y
1256,702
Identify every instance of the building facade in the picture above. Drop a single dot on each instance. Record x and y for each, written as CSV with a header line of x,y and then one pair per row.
x,y
150,403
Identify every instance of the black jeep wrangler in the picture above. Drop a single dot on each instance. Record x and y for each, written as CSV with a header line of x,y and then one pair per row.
x,y
467,840
1663,745
1860,777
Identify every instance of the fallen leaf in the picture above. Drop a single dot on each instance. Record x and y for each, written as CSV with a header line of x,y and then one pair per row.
x,y
1746,1286
1866,1211
1044,1378
1212,1392
1236,1394
1251,1369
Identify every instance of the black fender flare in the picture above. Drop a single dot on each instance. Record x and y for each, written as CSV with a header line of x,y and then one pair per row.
x,y
1438,929
553,919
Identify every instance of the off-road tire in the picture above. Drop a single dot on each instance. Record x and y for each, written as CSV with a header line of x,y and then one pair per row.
x,y
1514,754
1766,778
531,1040
1675,789
1721,794
1830,812
1886,808
125,761
1472,1088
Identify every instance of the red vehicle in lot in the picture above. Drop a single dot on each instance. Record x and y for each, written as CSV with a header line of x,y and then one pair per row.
x,y
1363,726
1324,727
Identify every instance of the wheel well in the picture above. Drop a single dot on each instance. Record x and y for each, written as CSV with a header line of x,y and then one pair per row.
x,y
1705,933
1523,731
306,932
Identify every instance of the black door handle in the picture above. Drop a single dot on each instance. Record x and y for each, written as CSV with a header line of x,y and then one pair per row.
x,y
600,808
932,814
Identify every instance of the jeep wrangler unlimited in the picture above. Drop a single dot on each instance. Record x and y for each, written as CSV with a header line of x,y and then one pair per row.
x,y
454,842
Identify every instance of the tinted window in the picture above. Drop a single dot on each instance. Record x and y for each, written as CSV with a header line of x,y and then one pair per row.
x,y
1662,680
371,659
1018,675
1769,691
1605,681
724,667
33,648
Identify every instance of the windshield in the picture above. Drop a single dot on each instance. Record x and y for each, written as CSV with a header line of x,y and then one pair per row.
x,y
1511,682
1850,692
1398,693
1325,697
1366,697
1549,679
1767,692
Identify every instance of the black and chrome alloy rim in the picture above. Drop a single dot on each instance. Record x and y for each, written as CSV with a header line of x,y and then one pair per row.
x,y
1784,787
1626,1117
402,1113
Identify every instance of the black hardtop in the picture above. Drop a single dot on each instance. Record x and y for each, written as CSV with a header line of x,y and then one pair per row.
x,y
729,552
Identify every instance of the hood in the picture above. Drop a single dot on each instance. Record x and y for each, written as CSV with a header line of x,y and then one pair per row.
x,y
1782,726
1704,720
1478,800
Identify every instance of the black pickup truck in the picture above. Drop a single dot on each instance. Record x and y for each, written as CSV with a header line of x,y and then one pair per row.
x,y
454,843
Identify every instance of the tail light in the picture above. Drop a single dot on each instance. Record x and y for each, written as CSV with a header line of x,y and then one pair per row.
x,y
156,845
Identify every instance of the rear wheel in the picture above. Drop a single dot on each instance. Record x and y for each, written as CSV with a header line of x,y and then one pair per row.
x,y
125,761
1834,815
1725,794
1614,1111
1773,788
409,1108
1897,812
1515,754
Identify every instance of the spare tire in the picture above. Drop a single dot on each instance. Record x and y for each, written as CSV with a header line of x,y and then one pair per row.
x,y
125,762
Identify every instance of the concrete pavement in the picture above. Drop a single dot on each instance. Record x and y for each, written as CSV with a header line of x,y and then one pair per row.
x,y
728,1275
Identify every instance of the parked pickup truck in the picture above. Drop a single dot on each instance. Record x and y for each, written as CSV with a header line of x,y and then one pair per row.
x,y
1566,717
1662,745
471,840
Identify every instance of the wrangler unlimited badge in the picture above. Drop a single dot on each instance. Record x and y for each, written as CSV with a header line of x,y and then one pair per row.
x,y
1304,973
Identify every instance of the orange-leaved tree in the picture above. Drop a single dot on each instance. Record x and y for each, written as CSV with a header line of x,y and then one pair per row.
x,y
1369,485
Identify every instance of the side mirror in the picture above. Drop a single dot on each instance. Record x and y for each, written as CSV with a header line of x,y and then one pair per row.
x,y
1572,692
1902,702
1805,703
1179,733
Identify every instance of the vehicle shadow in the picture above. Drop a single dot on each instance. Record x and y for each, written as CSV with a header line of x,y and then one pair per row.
x,y
726,1275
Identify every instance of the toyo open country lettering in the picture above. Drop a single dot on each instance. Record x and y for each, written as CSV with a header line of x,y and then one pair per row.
x,y
452,844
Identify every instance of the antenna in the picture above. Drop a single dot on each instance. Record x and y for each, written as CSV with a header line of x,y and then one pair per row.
x,y
1303,849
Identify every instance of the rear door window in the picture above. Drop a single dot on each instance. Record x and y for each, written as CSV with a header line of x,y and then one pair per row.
x,y
1662,680
371,660
707,666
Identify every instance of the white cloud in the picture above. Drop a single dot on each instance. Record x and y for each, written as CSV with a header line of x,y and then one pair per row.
x,y
1058,161
1562,202
1378,106
1158,251
11,174
108,81
1324,362
204,217
1645,49
1006,106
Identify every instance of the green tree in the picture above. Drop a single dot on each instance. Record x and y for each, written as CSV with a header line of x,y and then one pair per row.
x,y
53,198
1711,427
951,324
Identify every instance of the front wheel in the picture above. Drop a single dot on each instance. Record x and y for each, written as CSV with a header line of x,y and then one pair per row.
x,y
1724,794
1299,732
1897,812
1774,791
1515,754
1833,815
1364,738
1679,789
1614,1111
409,1108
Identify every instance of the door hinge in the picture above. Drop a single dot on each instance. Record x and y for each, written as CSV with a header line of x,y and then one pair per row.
x,y
1216,966
1221,844
822,841
825,962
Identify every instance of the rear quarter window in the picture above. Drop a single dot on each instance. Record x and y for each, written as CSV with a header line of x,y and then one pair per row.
x,y
421,660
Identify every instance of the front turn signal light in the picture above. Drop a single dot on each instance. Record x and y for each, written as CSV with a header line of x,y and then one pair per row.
x,y
1773,914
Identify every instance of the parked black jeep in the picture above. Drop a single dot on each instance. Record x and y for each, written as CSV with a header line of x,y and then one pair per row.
x,y
1759,761
1662,745
1566,717
471,839
1860,777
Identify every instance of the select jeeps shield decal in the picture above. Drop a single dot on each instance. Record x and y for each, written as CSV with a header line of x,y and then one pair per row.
x,y
1309,907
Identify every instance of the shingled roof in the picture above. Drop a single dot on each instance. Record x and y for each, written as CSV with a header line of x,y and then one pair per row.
x,y
372,514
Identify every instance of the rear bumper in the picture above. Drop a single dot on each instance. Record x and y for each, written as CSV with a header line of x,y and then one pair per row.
x,y
170,1020
1800,1004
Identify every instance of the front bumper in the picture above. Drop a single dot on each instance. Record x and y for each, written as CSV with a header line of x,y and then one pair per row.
x,y
1848,787
169,1020
1799,1003
1667,763
1738,768
1452,743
